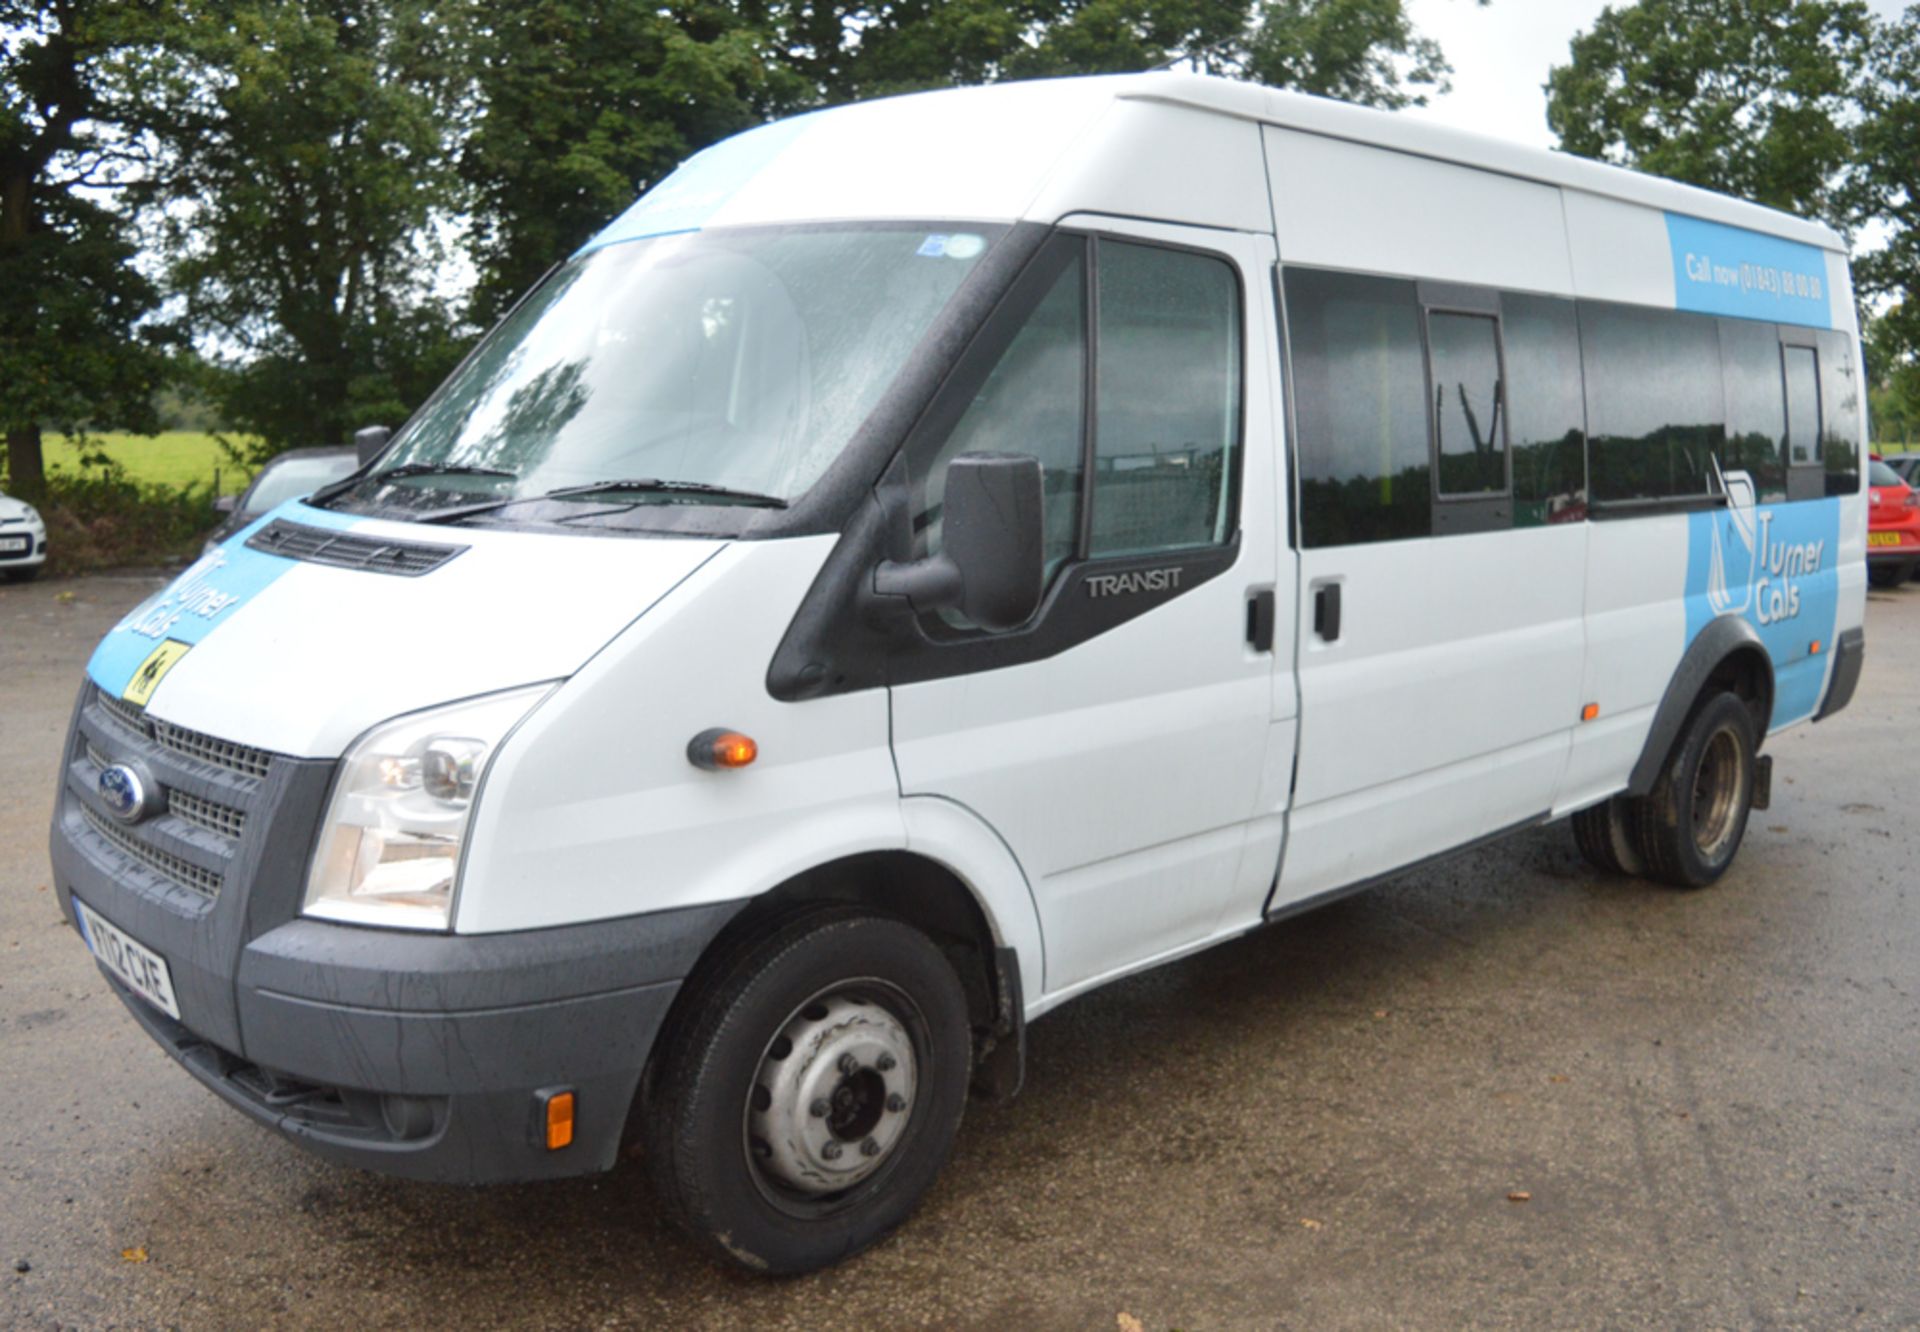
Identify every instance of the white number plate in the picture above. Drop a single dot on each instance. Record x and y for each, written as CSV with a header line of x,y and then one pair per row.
x,y
144,971
12,545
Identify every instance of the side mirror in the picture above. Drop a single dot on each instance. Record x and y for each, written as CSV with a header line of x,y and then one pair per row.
x,y
371,442
226,503
994,561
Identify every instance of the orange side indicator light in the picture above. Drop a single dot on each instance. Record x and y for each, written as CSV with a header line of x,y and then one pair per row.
x,y
1589,712
559,1120
1815,649
719,748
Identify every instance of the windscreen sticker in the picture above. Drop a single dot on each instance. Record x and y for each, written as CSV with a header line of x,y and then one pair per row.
x,y
702,184
1776,566
1724,270
179,616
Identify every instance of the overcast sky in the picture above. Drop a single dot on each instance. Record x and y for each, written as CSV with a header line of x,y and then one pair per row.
x,y
1501,54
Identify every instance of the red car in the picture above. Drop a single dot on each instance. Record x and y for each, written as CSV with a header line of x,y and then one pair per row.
x,y
1893,526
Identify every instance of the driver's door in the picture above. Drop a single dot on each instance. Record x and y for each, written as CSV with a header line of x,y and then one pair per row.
x,y
1124,740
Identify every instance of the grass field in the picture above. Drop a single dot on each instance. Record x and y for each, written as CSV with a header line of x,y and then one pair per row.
x,y
176,458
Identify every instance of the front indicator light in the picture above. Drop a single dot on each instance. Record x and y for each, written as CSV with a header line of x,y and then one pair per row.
x,y
389,850
720,748
554,1115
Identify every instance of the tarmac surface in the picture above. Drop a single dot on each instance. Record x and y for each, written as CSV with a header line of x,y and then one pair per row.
x,y
1710,1101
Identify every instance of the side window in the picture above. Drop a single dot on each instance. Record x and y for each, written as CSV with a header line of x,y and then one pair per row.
x,y
1655,402
1469,404
1840,429
1167,401
1803,405
1756,406
1359,388
1033,402
1548,422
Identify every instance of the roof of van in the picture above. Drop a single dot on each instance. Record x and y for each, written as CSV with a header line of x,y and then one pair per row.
x,y
1137,144
1412,134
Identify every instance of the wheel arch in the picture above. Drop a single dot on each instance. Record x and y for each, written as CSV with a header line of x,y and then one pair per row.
x,y
1727,655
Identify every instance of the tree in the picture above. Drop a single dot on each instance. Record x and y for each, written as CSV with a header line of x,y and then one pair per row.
x,y
1365,51
1886,191
1748,97
307,164
75,345
584,104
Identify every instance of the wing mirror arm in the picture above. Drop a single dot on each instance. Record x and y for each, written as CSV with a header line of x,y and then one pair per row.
x,y
993,566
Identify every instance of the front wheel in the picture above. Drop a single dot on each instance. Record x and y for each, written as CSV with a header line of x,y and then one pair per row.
x,y
809,1090
1689,827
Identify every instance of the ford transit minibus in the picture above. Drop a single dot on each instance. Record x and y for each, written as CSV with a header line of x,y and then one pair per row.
x,y
928,559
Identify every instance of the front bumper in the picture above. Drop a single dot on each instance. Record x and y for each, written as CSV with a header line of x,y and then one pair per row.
x,y
35,553
409,1053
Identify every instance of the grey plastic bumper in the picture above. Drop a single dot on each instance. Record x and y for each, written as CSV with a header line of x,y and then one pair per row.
x,y
419,1055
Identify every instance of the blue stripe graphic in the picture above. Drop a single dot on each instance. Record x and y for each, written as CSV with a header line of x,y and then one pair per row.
x,y
209,594
1777,566
1725,270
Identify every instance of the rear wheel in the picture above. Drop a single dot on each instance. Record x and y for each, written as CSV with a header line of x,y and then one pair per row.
x,y
1689,827
810,1091
1604,834
1883,575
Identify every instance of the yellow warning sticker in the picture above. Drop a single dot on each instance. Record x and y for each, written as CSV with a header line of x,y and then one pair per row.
x,y
153,670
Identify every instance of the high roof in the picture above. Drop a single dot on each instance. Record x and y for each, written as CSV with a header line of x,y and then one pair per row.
x,y
1411,134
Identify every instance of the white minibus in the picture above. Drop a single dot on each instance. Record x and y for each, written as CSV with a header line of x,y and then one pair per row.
x,y
933,557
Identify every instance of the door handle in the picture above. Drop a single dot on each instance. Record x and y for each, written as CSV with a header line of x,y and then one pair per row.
x,y
1326,612
1260,620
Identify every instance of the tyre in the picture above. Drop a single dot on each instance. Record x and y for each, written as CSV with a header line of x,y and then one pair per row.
x,y
808,1091
1689,827
1604,834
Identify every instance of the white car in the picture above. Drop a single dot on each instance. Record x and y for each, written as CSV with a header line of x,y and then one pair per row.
x,y
23,540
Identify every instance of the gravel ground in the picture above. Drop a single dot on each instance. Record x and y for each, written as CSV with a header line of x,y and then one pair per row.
x,y
1710,1099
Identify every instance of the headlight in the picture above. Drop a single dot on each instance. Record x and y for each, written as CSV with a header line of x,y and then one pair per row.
x,y
390,847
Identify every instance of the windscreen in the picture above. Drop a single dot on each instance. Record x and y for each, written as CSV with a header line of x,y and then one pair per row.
x,y
1879,474
736,360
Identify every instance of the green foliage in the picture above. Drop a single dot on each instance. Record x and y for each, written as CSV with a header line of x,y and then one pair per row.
x,y
72,345
585,104
1364,51
100,517
307,166
1886,189
1748,97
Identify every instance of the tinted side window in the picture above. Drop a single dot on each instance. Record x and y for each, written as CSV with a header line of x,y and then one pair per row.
x,y
1033,402
1167,407
1548,416
1841,426
1469,404
1756,405
1654,401
1359,389
1803,404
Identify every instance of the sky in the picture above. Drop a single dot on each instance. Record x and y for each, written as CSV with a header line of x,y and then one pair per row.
x,y
1501,54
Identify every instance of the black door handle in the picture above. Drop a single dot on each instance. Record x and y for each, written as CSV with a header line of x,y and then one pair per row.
x,y
1260,621
1326,612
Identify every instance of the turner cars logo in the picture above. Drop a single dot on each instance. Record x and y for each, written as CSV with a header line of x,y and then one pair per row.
x,y
193,595
1752,568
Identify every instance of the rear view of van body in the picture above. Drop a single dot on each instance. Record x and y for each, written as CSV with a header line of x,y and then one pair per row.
x,y
933,557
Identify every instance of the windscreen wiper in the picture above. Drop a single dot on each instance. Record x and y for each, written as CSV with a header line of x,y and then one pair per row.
x,y
645,485
648,485
406,469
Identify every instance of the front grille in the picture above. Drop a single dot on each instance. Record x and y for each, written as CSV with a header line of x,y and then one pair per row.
x,y
214,817
242,759
126,713
164,863
317,545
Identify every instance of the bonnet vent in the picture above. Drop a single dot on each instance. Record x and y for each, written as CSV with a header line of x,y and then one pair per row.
x,y
317,545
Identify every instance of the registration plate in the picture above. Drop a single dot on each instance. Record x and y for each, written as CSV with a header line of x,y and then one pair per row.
x,y
144,971
1883,538
12,545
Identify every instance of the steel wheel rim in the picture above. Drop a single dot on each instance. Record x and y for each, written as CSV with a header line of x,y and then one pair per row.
x,y
833,1097
1716,794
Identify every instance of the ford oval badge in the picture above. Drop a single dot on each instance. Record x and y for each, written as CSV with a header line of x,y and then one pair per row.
x,y
123,793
